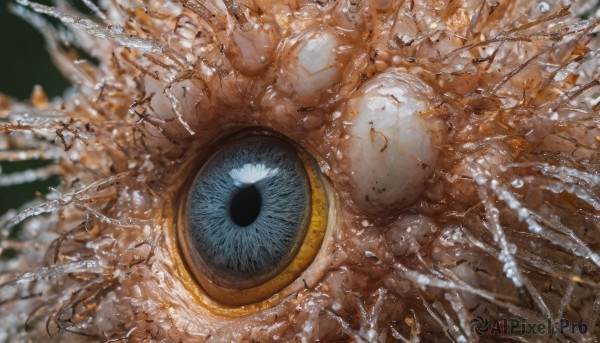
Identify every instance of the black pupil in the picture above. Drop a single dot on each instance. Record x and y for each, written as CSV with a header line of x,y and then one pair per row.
x,y
245,205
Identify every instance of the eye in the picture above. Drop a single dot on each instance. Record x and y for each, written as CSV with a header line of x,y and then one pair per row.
x,y
252,219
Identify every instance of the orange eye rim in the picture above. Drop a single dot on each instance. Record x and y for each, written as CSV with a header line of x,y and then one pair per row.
x,y
235,302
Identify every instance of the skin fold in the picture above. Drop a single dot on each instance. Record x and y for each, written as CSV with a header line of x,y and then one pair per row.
x,y
457,142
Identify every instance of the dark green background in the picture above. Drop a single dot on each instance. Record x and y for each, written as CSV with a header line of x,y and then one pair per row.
x,y
24,63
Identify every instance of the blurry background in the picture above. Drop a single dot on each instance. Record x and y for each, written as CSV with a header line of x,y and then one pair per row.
x,y
24,63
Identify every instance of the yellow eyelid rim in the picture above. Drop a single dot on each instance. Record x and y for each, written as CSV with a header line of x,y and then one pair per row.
x,y
265,295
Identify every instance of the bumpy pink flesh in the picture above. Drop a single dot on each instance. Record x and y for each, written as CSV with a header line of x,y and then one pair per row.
x,y
503,219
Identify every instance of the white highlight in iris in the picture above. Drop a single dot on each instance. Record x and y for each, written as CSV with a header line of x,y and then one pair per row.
x,y
251,173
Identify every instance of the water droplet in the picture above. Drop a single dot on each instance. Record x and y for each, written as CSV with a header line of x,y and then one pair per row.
x,y
517,183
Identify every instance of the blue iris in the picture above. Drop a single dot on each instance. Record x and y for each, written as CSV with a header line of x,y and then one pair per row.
x,y
248,208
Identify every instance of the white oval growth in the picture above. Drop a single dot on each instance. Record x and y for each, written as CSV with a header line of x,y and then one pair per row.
x,y
393,140
311,67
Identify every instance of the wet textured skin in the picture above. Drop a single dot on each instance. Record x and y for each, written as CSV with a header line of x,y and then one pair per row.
x,y
504,219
